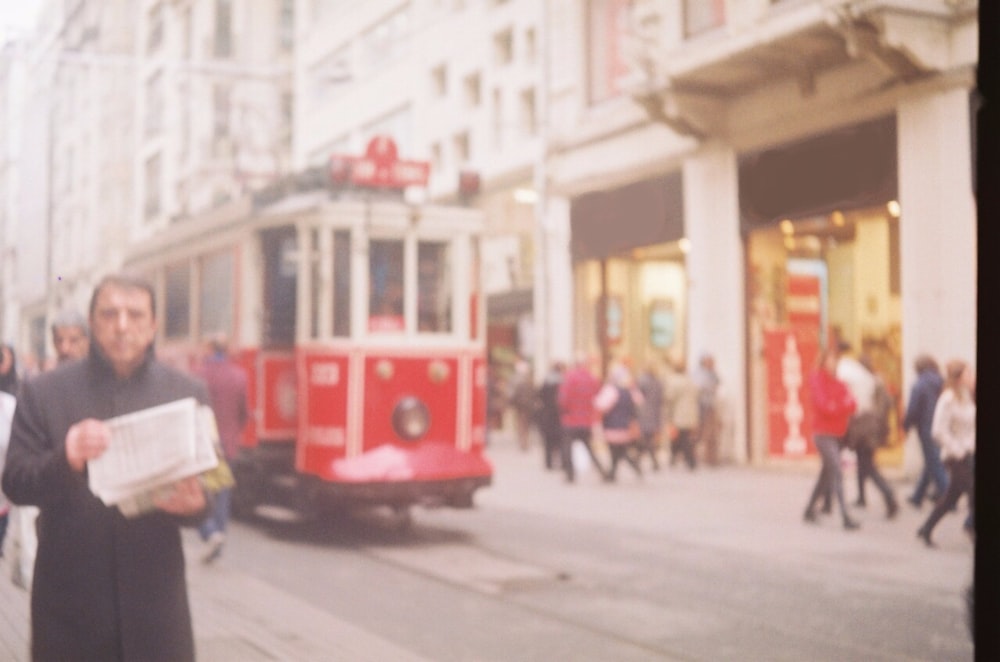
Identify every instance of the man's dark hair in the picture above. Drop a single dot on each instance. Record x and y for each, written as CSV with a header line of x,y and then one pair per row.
x,y
125,280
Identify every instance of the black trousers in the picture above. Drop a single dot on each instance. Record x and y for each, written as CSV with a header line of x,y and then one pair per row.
x,y
586,436
961,481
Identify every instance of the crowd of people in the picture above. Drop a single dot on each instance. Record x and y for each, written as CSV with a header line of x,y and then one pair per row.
x,y
661,411
852,409
666,415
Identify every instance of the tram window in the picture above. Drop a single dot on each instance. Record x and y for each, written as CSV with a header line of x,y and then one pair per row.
x,y
280,286
385,274
433,287
342,283
177,301
216,294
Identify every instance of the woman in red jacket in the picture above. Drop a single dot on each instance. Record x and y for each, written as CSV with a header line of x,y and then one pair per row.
x,y
832,406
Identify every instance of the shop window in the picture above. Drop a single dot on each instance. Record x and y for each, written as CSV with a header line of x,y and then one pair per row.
x,y
434,292
216,294
177,302
385,282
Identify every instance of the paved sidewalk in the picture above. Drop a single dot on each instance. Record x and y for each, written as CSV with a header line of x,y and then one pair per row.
x,y
236,619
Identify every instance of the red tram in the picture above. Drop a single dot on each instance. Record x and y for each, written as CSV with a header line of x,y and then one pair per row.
x,y
360,319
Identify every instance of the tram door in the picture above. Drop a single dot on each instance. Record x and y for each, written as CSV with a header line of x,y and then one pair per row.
x,y
275,377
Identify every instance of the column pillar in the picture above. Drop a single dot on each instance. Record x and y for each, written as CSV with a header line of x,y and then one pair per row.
x,y
716,274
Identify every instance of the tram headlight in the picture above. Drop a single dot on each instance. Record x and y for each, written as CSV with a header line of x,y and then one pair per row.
x,y
411,418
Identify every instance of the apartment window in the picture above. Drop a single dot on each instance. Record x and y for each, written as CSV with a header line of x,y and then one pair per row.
x,y
155,24
503,47
187,27
472,88
154,105
215,296
331,71
221,105
498,117
286,26
530,46
437,157
462,149
177,302
223,28
528,113
152,180
703,15
607,25
439,81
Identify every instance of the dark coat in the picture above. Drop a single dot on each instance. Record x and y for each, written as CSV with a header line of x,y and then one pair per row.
x,y
105,587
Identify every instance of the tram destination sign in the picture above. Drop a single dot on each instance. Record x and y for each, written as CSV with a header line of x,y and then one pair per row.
x,y
379,167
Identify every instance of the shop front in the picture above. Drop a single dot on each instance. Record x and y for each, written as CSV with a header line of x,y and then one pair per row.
x,y
821,223
628,251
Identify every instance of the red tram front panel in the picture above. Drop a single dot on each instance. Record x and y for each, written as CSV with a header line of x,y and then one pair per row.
x,y
347,430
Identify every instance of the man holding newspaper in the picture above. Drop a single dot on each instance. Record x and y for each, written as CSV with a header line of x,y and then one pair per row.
x,y
110,456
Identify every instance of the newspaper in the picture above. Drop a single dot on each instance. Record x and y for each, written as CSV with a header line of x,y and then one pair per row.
x,y
150,451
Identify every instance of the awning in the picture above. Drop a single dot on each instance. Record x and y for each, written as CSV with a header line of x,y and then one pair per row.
x,y
606,223
845,169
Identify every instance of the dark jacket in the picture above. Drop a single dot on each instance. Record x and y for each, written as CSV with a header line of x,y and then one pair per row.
x,y
548,411
105,587
920,409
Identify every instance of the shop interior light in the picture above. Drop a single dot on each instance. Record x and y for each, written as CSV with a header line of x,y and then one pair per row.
x,y
789,242
525,196
893,207
684,244
787,227
837,218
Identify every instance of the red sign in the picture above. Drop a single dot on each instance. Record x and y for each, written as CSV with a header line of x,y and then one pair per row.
x,y
380,167
790,357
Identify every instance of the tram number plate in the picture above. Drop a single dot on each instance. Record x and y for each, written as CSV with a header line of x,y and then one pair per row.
x,y
324,374
322,435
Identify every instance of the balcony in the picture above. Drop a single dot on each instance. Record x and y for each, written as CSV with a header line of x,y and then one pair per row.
x,y
731,48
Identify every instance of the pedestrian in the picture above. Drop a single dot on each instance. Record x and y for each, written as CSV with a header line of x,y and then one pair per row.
x,y
105,587
70,336
681,399
7,405
71,340
227,390
707,380
650,414
954,429
548,414
524,401
576,406
867,431
920,415
832,407
618,403
8,370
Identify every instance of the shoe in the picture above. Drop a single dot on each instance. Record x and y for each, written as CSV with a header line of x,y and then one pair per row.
x,y
214,551
891,510
851,525
925,535
914,502
810,516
